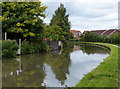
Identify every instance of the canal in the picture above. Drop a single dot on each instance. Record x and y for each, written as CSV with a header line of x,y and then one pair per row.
x,y
58,68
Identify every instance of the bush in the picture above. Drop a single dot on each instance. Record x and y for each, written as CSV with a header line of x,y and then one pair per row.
x,y
9,48
115,38
36,47
89,36
92,37
25,47
41,46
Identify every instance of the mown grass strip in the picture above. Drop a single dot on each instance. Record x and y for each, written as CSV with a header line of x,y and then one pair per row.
x,y
106,74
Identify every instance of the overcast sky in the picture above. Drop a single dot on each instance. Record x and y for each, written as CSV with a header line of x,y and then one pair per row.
x,y
87,14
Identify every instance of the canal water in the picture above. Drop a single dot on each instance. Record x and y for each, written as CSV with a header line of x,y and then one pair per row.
x,y
59,68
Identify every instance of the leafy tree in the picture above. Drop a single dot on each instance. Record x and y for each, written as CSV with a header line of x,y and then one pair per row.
x,y
104,38
89,36
71,35
54,32
115,38
60,18
92,37
23,18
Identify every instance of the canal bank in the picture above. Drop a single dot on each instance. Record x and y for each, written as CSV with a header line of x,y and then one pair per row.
x,y
106,74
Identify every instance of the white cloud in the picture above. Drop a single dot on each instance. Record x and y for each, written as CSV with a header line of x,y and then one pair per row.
x,y
87,14
92,24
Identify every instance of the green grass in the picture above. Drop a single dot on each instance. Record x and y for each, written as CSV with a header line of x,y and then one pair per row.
x,y
106,74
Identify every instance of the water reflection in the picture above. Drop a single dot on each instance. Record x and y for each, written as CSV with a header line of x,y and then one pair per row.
x,y
91,49
76,48
55,69
60,65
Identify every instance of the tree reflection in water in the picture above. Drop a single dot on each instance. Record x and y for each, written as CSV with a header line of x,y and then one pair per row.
x,y
30,70
32,75
60,64
91,49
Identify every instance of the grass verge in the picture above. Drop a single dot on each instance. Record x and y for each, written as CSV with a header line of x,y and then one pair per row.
x,y
106,74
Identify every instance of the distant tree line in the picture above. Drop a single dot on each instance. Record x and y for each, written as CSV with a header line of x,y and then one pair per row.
x,y
93,37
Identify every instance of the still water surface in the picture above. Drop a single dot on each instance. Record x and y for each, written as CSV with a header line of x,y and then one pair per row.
x,y
56,69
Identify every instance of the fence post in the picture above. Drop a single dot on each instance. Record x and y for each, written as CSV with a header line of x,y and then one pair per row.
x,y
5,35
20,45
19,50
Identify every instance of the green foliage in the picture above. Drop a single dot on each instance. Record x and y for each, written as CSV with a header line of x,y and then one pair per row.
x,y
104,39
60,18
71,35
88,37
24,18
25,47
92,37
115,38
55,33
37,47
9,48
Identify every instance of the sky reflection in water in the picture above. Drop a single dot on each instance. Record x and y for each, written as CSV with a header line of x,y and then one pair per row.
x,y
52,69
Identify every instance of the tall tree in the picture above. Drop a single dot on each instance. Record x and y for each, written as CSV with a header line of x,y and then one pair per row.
x,y
54,32
60,18
24,18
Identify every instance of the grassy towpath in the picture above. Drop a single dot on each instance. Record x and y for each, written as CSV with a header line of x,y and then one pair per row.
x,y
106,74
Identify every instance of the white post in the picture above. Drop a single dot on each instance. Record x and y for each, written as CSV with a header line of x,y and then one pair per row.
x,y
20,45
5,35
19,50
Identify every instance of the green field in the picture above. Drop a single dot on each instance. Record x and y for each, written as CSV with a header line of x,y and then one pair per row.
x,y
106,74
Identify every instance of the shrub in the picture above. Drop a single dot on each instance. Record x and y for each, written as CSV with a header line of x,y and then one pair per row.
x,y
34,47
92,37
9,48
41,46
25,47
115,38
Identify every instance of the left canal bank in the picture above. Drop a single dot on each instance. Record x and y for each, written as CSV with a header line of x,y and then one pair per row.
x,y
10,48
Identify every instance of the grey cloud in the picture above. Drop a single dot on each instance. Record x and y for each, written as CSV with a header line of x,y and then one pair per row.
x,y
91,15
90,10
